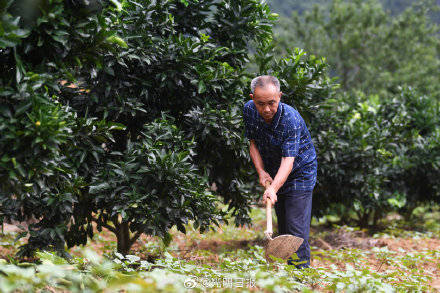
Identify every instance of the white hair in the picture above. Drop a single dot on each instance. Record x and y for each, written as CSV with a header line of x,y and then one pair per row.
x,y
264,80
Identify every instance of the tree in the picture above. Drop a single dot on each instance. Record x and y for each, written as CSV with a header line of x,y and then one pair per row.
x,y
386,64
377,155
37,179
188,75
125,114
394,7
416,166
367,48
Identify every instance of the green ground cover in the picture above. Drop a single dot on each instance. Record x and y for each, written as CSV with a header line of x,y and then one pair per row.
x,y
229,259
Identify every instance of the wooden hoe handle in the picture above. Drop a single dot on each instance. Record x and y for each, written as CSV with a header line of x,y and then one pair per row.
x,y
269,231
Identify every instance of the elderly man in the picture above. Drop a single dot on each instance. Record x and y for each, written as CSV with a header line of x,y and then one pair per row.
x,y
283,154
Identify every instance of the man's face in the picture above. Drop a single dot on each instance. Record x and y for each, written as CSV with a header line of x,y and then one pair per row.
x,y
266,100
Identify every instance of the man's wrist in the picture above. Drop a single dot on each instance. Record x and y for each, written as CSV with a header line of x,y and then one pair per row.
x,y
275,186
260,171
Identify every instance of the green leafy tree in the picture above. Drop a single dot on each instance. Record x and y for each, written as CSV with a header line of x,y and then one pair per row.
x,y
38,181
416,165
377,155
394,7
192,72
386,158
366,47
124,115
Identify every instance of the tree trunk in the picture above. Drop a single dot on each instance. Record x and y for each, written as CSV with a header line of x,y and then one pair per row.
x,y
123,236
363,221
407,212
377,217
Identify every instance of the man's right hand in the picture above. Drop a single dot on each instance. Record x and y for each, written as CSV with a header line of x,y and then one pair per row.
x,y
264,176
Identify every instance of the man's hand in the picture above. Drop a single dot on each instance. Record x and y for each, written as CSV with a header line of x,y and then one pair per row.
x,y
270,193
264,176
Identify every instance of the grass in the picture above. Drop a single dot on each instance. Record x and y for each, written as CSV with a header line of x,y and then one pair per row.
x,y
230,259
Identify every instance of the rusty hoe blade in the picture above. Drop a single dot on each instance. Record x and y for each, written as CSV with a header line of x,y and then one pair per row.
x,y
282,246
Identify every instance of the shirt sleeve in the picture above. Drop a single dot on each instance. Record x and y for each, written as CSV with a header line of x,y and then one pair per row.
x,y
290,146
248,130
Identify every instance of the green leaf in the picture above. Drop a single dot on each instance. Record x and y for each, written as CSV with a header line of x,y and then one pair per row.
x,y
202,87
117,126
117,4
117,40
94,189
22,109
19,68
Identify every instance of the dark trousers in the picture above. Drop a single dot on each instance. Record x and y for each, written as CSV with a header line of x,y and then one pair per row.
x,y
293,210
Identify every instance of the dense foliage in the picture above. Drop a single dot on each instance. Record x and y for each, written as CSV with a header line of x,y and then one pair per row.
x,y
127,115
378,155
246,271
124,115
225,268
367,48
394,7
378,147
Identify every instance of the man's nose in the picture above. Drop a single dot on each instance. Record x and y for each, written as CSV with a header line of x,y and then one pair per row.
x,y
267,109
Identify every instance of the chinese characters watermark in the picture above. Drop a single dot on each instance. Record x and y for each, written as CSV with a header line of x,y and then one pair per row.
x,y
193,281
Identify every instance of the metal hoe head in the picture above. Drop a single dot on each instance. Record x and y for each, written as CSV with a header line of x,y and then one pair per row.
x,y
282,246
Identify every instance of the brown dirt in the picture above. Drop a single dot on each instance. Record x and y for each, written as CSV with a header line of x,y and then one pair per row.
x,y
218,245
206,251
401,246
411,244
342,238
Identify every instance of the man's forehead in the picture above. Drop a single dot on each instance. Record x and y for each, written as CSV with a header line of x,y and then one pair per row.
x,y
268,91
267,87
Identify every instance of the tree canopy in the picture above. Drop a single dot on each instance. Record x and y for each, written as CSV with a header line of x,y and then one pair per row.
x,y
124,115
128,115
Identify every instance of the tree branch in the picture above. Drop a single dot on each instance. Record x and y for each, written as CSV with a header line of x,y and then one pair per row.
x,y
135,237
113,229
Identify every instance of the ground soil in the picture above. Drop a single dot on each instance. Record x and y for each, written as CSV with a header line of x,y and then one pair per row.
x,y
331,240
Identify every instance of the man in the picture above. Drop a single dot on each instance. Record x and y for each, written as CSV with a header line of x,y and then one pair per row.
x,y
283,154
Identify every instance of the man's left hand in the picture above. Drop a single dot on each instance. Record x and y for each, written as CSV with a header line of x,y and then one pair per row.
x,y
270,193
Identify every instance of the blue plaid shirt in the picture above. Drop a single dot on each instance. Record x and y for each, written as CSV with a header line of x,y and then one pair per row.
x,y
286,136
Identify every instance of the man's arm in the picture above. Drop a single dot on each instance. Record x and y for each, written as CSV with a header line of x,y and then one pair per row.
x,y
258,163
281,177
